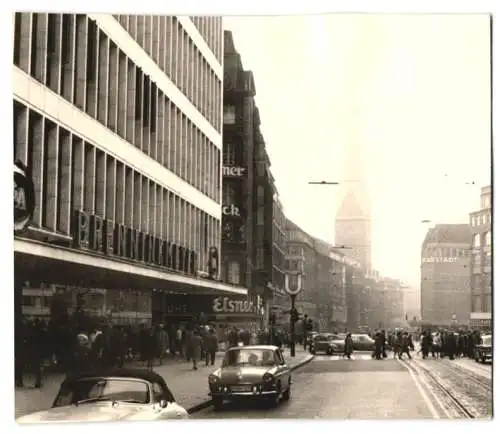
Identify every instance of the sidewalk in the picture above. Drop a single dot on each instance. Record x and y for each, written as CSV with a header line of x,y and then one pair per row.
x,y
189,387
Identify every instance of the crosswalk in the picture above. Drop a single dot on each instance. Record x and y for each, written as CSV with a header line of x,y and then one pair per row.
x,y
337,357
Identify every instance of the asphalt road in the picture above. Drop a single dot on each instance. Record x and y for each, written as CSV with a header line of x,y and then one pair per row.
x,y
332,388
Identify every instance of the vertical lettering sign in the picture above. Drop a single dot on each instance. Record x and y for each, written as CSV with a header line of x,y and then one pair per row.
x,y
104,236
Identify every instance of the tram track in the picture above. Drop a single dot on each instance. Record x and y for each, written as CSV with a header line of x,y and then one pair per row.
x,y
454,408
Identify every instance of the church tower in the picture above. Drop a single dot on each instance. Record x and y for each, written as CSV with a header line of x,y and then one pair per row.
x,y
353,220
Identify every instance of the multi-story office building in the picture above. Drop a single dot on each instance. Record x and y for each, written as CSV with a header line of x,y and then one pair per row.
x,y
480,267
119,122
445,275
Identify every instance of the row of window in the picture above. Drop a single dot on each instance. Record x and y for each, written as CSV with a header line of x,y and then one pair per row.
x,y
211,31
482,239
232,155
86,68
72,174
481,303
168,44
480,219
445,252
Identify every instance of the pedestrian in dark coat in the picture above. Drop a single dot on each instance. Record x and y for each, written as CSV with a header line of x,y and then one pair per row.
x,y
406,345
348,346
378,346
210,345
195,345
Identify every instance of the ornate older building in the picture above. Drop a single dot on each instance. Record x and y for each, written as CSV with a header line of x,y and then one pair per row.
x,y
252,215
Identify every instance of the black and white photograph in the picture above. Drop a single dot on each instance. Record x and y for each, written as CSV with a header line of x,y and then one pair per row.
x,y
257,216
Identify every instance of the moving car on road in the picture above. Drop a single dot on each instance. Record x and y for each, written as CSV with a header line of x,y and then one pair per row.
x,y
251,372
323,343
484,351
117,394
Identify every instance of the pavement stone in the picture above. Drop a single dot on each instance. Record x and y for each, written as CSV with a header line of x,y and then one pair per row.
x,y
189,387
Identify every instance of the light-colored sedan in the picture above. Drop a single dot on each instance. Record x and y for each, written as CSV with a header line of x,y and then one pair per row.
x,y
118,394
252,372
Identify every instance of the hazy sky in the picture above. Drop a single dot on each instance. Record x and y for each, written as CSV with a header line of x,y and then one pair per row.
x,y
413,91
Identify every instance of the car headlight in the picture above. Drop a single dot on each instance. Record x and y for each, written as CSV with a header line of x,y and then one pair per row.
x,y
268,378
212,379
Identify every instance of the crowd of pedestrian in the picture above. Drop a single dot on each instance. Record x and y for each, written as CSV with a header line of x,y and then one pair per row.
x,y
437,343
447,343
70,347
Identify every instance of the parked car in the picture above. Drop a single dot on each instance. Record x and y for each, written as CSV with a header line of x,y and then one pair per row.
x,y
484,351
251,372
111,395
363,342
323,343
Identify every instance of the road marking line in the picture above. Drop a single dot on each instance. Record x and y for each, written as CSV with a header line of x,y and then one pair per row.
x,y
425,397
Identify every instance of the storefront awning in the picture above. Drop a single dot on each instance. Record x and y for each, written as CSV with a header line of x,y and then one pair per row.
x,y
40,261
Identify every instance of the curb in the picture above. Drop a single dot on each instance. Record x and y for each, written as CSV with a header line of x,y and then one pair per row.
x,y
205,404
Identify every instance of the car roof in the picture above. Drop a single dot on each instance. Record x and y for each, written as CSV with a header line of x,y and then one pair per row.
x,y
141,374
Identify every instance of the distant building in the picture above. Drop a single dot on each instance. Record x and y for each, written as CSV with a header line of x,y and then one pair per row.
x,y
329,285
445,275
280,300
353,220
480,266
301,256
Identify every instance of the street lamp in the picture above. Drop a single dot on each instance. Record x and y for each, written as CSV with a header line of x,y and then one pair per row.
x,y
293,285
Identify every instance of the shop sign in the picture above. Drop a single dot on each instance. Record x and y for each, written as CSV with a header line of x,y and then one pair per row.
x,y
192,305
229,305
231,210
437,260
113,239
233,171
24,197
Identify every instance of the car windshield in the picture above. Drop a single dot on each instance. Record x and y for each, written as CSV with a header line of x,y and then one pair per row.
x,y
486,340
87,390
246,356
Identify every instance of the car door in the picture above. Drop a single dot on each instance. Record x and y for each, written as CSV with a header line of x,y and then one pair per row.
x,y
165,405
283,368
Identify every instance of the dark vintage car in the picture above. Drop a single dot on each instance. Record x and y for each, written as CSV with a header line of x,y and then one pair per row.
x,y
484,351
111,395
323,343
363,342
251,372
